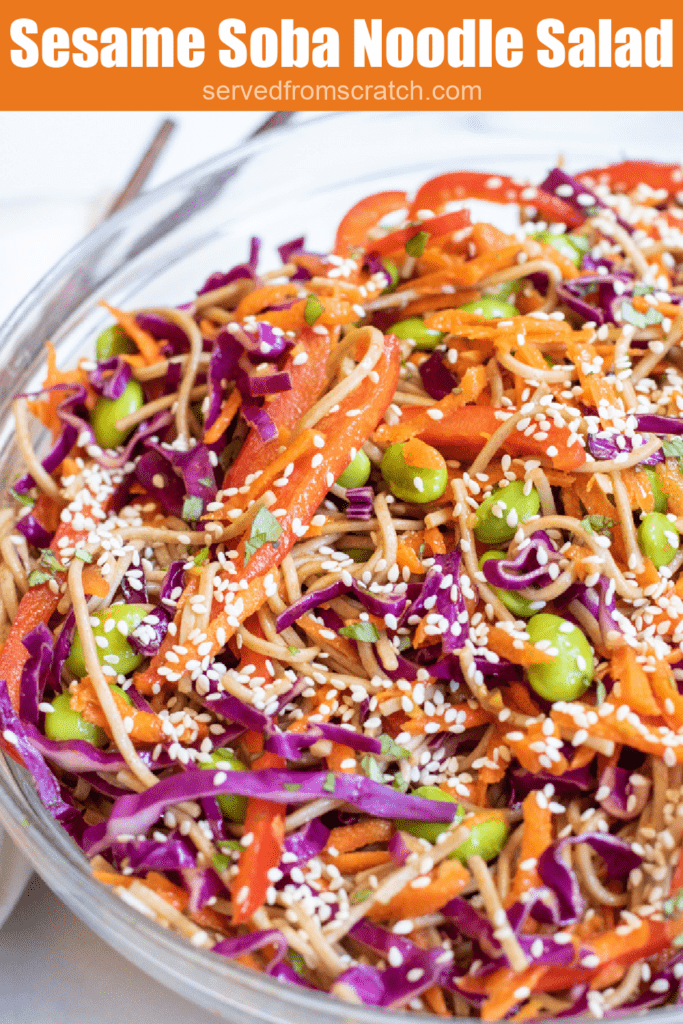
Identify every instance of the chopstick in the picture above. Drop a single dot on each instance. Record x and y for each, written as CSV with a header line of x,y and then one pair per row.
x,y
139,176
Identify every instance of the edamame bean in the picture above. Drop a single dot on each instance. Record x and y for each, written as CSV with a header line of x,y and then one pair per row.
x,y
491,306
570,674
415,471
658,492
392,270
113,341
658,538
414,328
504,509
111,639
507,288
513,601
65,724
357,472
571,246
486,840
358,554
428,830
108,411
232,805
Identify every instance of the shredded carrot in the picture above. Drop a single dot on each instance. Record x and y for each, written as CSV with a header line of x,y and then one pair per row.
x,y
149,347
447,880
225,417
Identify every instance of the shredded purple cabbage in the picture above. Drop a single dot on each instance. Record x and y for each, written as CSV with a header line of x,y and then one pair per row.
x,y
35,533
360,501
240,271
611,446
437,380
529,567
619,859
579,196
110,377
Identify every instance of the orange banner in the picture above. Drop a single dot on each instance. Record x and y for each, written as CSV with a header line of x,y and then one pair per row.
x,y
545,55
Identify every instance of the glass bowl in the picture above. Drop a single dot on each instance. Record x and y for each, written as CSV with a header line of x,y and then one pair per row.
x,y
157,251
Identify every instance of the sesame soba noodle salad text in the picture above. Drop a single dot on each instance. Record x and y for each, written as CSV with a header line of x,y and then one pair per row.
x,y
343,623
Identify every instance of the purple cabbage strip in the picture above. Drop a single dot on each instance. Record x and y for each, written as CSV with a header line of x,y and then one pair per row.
x,y
72,426
136,813
529,567
77,756
147,638
623,785
442,583
360,501
306,843
35,532
241,270
599,601
659,424
391,986
193,468
142,855
222,367
134,594
110,384
437,380
163,330
288,249
258,385
40,646
239,945
610,446
579,196
575,782
398,849
375,604
202,884
374,265
619,859
49,790
258,418
145,431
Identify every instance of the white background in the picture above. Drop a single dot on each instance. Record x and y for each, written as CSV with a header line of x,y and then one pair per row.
x,y
57,172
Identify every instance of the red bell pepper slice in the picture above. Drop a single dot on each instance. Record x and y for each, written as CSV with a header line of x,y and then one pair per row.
x,y
286,407
348,427
626,176
463,434
496,188
435,227
265,822
354,226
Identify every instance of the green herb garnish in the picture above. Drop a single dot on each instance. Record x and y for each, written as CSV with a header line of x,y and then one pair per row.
x,y
390,748
364,632
599,525
329,783
36,577
201,556
638,319
23,499
360,897
372,769
600,693
193,506
84,555
292,787
415,246
230,844
264,529
673,448
221,862
313,309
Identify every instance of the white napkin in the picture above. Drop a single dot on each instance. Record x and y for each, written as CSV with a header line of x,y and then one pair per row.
x,y
15,872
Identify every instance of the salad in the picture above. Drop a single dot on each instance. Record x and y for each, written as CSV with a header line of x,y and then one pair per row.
x,y
342,626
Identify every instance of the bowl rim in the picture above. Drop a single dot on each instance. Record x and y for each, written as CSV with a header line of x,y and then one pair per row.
x,y
43,841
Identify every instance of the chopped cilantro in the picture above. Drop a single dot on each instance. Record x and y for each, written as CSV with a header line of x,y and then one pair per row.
x,y
599,525
201,556
643,289
640,320
292,649
404,642
36,577
673,448
415,246
600,693
360,897
84,555
230,844
49,561
329,783
365,632
674,904
207,481
291,787
221,862
391,749
193,506
264,529
400,783
23,499
372,769
313,309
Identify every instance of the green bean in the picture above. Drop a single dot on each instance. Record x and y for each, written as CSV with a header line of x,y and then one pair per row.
x,y
357,472
415,471
414,328
65,724
108,411
513,601
570,674
114,624
233,806
113,341
500,514
659,538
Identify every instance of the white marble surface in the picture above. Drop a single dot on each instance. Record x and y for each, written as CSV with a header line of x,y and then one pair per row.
x,y
57,171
